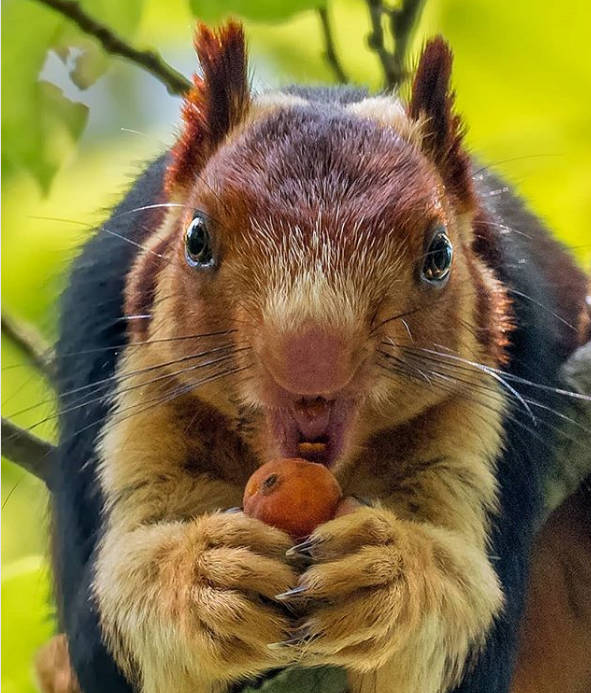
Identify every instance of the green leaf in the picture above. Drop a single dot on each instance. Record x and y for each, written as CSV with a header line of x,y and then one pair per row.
x,y
122,18
260,10
91,63
39,123
300,680
40,142
23,55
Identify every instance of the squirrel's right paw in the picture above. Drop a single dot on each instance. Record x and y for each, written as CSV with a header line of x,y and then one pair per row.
x,y
239,569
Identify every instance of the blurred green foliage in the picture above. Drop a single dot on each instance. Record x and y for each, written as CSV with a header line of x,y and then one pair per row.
x,y
36,115
72,141
258,10
26,620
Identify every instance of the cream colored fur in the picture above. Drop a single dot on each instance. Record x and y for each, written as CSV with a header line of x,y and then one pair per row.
x,y
390,112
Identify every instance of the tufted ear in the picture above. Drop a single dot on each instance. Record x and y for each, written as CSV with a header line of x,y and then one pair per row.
x,y
432,101
217,102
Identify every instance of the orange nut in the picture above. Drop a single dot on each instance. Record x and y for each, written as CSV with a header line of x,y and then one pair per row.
x,y
293,495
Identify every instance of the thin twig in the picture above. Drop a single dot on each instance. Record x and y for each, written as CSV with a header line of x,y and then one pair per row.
x,y
26,450
149,60
30,341
329,48
376,39
402,23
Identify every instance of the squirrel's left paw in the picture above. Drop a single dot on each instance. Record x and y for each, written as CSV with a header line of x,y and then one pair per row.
x,y
353,594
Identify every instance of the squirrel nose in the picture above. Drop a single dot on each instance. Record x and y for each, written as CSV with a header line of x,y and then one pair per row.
x,y
313,361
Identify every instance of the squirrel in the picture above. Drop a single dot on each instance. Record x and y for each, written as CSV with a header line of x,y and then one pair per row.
x,y
309,265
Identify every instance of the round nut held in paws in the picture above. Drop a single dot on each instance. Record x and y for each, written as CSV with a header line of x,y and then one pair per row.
x,y
293,495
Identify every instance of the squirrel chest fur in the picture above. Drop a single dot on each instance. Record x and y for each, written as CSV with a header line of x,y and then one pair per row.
x,y
307,266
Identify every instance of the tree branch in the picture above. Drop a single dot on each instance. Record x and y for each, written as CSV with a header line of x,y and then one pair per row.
x,y
402,22
18,445
376,39
572,460
26,450
149,60
31,342
329,48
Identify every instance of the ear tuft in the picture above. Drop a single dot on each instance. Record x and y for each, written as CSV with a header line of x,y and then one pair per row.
x,y
217,102
432,100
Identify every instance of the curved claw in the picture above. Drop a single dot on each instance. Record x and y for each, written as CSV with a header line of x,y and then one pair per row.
x,y
294,592
301,550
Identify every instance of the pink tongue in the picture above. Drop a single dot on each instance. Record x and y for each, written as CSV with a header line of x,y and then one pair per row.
x,y
312,417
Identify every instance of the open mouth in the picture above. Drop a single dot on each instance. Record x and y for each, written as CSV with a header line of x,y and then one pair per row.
x,y
313,428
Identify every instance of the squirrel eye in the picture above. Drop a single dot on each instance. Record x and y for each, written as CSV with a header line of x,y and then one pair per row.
x,y
198,248
437,263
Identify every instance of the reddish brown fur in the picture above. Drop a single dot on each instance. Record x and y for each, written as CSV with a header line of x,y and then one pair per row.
x,y
486,243
492,312
567,281
379,183
556,629
141,291
568,284
273,184
217,102
443,134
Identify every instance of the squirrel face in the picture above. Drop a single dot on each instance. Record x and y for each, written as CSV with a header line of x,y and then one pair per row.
x,y
313,243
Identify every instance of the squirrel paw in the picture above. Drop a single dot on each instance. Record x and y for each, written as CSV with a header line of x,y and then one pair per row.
x,y
239,571
352,594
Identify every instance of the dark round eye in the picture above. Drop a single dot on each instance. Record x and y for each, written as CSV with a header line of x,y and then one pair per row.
x,y
437,263
198,248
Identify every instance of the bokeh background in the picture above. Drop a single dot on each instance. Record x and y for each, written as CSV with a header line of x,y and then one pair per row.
x,y
523,79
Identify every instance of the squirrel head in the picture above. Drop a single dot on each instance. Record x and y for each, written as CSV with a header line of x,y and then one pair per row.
x,y
317,254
